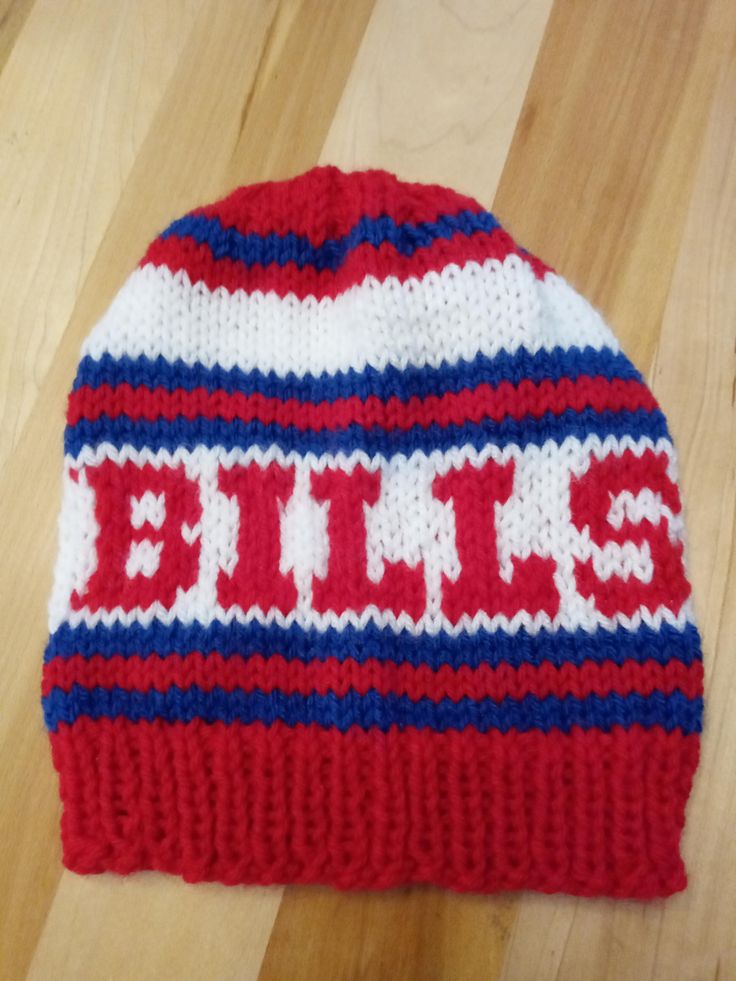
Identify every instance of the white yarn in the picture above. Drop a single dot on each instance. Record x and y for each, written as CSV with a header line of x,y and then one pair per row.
x,y
407,524
445,316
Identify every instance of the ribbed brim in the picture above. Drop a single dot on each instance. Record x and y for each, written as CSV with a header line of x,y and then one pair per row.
x,y
589,813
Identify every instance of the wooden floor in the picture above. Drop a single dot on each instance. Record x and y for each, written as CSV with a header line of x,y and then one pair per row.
x,y
603,134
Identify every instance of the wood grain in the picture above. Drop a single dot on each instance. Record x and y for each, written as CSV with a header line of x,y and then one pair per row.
x,y
436,89
605,135
13,16
77,98
600,172
144,928
402,933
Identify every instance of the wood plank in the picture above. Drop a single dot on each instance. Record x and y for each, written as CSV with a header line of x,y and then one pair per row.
x,y
152,927
599,174
98,74
403,933
304,64
436,91
76,100
13,15
690,936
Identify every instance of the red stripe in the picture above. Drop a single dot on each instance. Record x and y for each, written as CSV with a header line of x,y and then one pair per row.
x,y
589,813
275,673
327,203
451,408
365,260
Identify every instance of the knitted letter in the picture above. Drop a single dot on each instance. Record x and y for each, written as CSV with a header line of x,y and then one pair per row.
x,y
147,546
591,497
256,580
347,586
479,587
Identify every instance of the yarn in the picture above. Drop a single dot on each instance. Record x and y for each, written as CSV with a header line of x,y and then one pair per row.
x,y
371,563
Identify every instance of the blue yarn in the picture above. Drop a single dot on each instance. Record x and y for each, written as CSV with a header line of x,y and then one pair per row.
x,y
296,643
263,250
373,710
404,383
187,434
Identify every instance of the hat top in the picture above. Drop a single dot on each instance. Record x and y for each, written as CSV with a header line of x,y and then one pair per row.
x,y
325,231
326,203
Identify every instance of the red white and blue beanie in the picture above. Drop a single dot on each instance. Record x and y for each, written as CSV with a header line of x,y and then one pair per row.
x,y
371,563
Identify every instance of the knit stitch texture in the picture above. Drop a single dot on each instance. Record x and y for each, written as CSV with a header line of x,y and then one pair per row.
x,y
371,563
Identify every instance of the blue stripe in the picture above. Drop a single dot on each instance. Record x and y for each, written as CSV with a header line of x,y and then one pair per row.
x,y
371,642
529,431
404,383
372,710
263,250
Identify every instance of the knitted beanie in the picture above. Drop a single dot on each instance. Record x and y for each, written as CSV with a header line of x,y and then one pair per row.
x,y
371,563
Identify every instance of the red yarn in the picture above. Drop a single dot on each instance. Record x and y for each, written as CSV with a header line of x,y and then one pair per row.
x,y
379,262
588,813
277,673
452,408
337,202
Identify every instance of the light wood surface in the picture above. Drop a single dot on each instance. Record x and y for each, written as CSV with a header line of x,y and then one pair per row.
x,y
603,134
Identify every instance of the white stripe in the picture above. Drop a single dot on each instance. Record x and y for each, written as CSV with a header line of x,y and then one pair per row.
x,y
407,523
385,619
444,316
441,460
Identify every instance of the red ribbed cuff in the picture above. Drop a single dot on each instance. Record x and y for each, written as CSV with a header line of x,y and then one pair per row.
x,y
589,812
